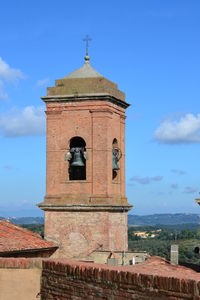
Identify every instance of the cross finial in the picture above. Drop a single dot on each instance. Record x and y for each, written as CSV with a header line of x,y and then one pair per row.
x,y
87,39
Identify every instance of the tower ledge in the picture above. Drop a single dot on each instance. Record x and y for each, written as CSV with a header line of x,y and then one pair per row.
x,y
85,97
111,208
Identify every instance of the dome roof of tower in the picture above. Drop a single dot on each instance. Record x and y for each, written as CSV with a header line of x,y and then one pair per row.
x,y
84,84
86,71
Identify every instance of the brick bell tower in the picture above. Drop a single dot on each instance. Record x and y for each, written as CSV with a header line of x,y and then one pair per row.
x,y
85,204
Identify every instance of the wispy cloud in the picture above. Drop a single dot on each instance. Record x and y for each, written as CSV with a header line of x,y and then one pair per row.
x,y
184,130
9,74
28,121
178,172
43,82
145,180
9,168
174,186
190,190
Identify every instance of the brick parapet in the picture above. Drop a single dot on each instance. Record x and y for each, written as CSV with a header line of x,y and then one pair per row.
x,y
20,263
74,280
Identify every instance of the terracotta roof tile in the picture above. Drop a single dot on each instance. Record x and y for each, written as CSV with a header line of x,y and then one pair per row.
x,y
156,265
16,238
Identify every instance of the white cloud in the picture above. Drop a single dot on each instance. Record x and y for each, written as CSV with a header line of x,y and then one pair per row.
x,y
28,121
185,130
42,82
146,180
9,74
3,94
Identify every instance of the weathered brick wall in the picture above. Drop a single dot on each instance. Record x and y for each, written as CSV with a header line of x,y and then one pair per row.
x,y
85,85
79,233
98,123
73,280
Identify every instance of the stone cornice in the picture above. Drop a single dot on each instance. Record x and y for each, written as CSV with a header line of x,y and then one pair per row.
x,y
85,97
111,208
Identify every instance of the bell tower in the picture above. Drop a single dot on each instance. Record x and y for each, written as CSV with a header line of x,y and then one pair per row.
x,y
85,204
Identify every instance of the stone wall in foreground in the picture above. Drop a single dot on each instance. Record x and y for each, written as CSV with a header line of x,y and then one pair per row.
x,y
75,280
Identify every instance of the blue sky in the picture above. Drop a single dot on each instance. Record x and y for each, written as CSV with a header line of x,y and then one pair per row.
x,y
150,48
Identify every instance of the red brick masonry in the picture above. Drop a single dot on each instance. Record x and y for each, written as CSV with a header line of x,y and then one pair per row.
x,y
155,279
80,215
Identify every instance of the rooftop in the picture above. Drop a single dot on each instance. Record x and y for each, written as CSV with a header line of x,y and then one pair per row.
x,y
154,265
86,71
85,84
15,238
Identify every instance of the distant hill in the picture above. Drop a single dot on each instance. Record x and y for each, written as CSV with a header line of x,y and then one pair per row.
x,y
27,220
149,220
163,219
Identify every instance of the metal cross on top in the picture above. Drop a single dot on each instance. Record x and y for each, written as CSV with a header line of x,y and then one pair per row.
x,y
87,39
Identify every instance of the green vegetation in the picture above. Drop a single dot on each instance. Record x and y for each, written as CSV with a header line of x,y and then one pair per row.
x,y
38,228
158,240
27,220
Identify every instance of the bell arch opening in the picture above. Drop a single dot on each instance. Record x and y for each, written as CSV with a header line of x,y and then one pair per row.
x,y
115,166
115,143
77,163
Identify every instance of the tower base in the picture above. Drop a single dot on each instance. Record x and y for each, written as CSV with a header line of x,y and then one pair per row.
x,y
78,230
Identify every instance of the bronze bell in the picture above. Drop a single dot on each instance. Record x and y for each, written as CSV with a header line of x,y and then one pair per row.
x,y
77,157
115,159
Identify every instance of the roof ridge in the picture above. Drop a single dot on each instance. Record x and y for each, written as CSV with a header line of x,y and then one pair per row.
x,y
86,71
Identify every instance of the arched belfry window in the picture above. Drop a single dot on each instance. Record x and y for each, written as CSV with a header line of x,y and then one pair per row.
x,y
116,155
77,159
